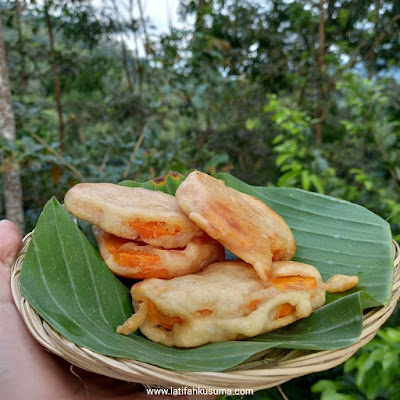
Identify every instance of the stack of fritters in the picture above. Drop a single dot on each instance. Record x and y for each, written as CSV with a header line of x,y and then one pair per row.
x,y
144,234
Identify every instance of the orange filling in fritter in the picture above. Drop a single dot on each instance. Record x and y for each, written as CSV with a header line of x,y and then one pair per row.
x,y
153,229
205,313
128,257
294,282
113,243
284,309
291,283
284,283
253,305
158,317
134,258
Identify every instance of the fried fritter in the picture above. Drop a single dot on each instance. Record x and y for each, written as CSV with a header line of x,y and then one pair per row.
x,y
225,301
340,283
132,213
137,260
243,224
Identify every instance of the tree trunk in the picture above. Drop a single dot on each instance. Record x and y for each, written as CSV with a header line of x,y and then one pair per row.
x,y
199,24
10,169
144,27
373,55
21,47
126,69
321,72
57,86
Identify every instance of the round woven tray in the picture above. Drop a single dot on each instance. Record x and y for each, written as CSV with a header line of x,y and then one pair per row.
x,y
274,367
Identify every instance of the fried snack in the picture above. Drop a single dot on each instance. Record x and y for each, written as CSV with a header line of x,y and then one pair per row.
x,y
132,213
340,283
242,223
137,260
225,301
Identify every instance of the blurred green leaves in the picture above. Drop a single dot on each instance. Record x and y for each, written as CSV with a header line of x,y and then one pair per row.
x,y
301,163
375,368
198,99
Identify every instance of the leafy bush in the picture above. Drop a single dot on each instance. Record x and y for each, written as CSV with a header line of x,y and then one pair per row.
x,y
374,372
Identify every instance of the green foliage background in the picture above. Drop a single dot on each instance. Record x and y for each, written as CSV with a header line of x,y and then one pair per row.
x,y
283,93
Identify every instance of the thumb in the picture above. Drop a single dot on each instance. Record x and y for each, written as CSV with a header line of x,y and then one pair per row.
x,y
10,241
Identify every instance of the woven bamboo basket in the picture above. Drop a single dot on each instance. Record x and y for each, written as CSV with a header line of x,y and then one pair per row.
x,y
270,369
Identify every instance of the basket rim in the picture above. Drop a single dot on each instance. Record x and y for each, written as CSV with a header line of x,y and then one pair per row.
x,y
291,364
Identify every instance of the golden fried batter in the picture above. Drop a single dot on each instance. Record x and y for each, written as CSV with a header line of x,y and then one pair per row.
x,y
340,283
138,260
243,224
132,213
225,301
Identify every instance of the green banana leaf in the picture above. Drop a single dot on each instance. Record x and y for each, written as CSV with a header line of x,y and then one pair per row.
x,y
69,285
168,183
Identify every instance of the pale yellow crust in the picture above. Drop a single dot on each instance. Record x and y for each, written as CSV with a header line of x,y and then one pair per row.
x,y
113,208
137,319
340,283
243,224
215,305
197,254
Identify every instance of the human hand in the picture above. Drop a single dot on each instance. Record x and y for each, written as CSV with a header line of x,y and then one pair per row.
x,y
27,370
